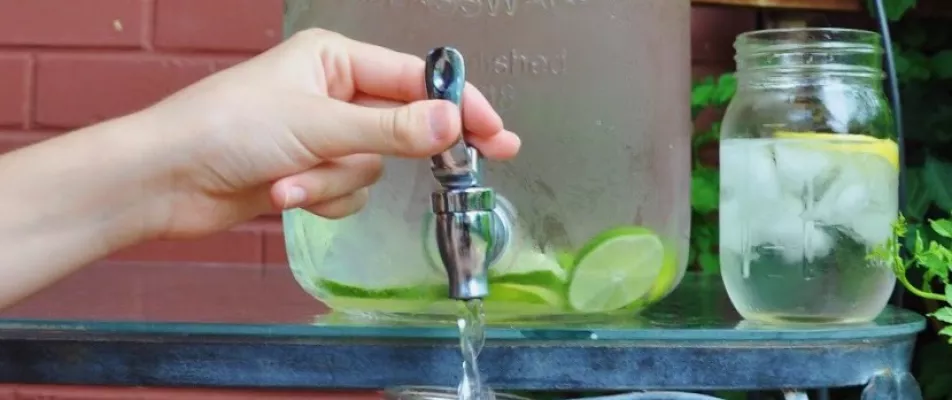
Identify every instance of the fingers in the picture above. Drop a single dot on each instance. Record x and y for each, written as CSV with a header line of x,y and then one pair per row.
x,y
503,145
329,181
479,117
338,129
385,73
343,206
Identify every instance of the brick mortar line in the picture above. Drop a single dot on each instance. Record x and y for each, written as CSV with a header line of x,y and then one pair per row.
x,y
149,21
123,51
29,113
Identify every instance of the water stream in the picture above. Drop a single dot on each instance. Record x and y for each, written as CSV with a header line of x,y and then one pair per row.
x,y
472,337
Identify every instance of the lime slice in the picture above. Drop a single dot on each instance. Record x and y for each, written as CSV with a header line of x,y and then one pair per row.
x,y
339,296
666,279
615,269
531,261
566,260
337,289
884,148
515,293
377,305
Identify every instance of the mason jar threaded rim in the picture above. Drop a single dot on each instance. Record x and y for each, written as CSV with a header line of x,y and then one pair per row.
x,y
832,51
435,393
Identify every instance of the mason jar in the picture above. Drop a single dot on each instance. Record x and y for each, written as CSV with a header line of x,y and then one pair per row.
x,y
598,197
809,167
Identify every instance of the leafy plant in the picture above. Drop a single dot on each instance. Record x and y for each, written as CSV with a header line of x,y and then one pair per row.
x,y
923,51
935,260
708,95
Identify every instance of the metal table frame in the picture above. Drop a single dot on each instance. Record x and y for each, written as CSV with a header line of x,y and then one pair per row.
x,y
44,354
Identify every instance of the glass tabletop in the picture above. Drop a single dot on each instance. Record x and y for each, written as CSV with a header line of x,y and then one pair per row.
x,y
213,326
265,302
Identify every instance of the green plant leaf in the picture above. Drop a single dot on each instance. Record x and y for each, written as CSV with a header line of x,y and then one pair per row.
x,y
705,190
933,263
948,294
902,63
941,64
704,237
947,331
918,196
703,92
709,262
894,9
943,227
920,245
938,175
692,253
943,314
920,66
909,240
726,88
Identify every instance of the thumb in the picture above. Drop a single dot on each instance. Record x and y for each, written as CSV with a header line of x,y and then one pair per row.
x,y
417,129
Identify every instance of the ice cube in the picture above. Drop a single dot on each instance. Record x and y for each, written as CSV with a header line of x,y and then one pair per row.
x,y
748,165
800,165
872,222
842,199
765,215
787,230
862,198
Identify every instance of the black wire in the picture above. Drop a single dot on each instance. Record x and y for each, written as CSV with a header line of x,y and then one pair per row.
x,y
894,98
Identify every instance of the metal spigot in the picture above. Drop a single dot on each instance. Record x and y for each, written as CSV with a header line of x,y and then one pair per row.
x,y
470,233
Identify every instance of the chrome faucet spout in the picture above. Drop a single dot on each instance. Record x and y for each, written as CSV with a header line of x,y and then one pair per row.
x,y
470,234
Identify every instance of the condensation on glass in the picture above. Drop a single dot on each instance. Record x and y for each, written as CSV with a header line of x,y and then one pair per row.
x,y
809,178
599,92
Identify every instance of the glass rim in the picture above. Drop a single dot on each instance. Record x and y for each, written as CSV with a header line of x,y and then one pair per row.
x,y
439,393
768,54
788,39
832,30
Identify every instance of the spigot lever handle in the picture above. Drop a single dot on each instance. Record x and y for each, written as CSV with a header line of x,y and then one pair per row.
x,y
458,166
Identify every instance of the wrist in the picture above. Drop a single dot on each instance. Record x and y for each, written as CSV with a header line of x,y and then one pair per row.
x,y
74,199
144,168
105,179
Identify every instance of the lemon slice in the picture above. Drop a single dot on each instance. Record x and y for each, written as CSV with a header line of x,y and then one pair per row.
x,y
885,148
615,269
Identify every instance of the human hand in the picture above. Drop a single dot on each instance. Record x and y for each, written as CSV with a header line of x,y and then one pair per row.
x,y
303,125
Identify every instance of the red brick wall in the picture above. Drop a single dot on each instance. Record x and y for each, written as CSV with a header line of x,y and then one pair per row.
x,y
68,63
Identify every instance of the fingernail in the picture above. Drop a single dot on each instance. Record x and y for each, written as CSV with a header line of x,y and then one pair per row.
x,y
440,123
294,197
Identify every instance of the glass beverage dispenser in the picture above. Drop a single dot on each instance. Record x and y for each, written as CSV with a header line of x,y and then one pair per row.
x,y
596,205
